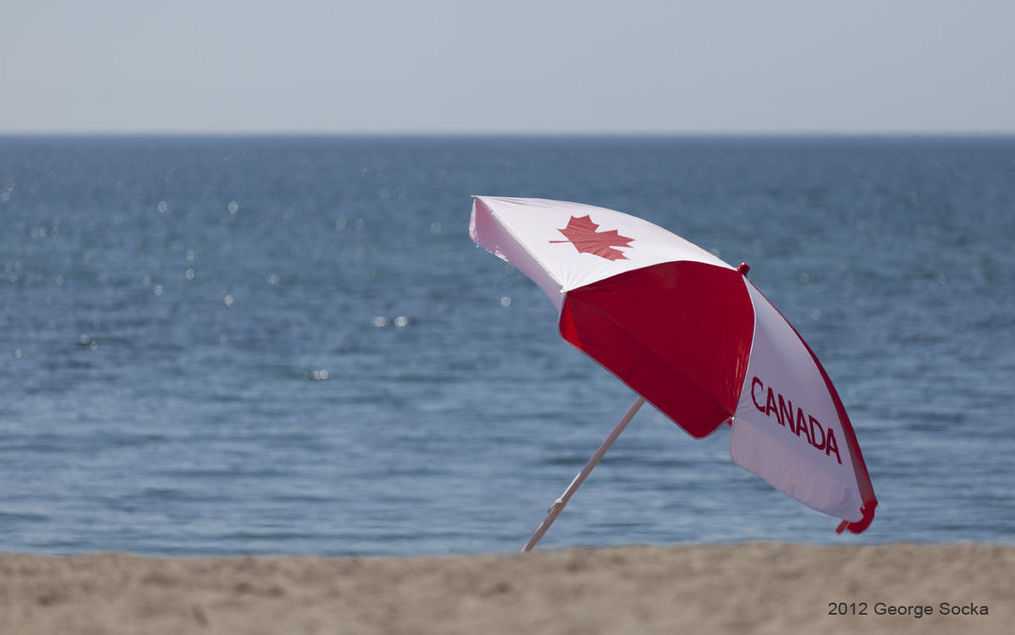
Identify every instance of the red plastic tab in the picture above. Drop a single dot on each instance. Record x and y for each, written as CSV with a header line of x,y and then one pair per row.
x,y
859,526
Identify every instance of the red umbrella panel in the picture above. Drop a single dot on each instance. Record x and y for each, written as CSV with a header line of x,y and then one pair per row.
x,y
692,336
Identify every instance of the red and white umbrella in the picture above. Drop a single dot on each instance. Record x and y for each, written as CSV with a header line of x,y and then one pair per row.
x,y
692,336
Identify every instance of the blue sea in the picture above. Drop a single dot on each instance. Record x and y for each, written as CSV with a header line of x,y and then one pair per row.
x,y
227,345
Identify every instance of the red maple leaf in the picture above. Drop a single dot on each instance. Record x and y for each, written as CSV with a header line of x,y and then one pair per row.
x,y
581,232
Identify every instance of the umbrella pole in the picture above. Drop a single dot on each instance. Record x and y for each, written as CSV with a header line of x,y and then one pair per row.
x,y
558,505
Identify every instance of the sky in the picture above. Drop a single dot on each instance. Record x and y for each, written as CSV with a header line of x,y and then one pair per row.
x,y
515,66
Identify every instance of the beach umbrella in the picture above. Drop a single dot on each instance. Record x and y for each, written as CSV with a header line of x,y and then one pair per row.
x,y
691,335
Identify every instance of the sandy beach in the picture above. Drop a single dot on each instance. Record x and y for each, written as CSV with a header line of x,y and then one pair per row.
x,y
753,587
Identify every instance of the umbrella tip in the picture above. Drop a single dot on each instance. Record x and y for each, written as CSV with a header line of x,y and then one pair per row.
x,y
743,268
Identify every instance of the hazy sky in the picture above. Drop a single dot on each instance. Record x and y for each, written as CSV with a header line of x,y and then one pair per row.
x,y
507,66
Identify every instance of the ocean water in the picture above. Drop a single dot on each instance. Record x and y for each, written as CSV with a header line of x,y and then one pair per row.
x,y
290,345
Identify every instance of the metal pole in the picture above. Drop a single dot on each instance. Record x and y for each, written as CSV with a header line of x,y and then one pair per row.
x,y
579,478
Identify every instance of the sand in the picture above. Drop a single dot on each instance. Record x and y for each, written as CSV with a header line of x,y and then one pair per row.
x,y
754,587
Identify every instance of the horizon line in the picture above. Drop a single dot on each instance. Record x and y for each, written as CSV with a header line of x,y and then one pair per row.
x,y
408,133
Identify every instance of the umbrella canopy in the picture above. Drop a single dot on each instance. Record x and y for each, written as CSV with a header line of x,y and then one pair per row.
x,y
694,337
